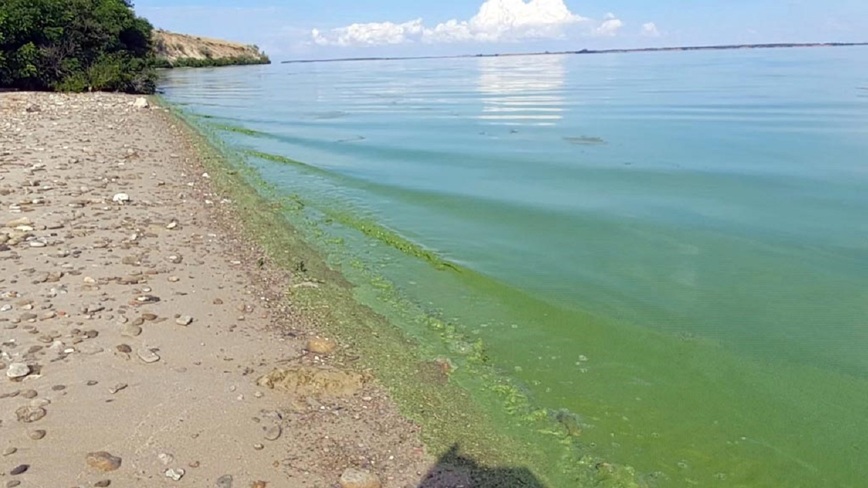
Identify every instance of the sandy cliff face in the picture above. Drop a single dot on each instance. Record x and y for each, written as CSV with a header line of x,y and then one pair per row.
x,y
179,47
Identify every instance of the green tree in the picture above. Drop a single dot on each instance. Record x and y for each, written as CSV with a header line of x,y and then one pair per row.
x,y
75,45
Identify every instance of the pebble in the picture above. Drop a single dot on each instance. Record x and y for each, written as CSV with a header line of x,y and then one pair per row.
x,y
21,468
102,483
130,330
258,484
319,345
258,447
17,371
356,478
166,458
224,481
29,394
184,320
13,483
37,434
30,414
121,198
9,451
124,348
103,461
147,355
175,474
272,433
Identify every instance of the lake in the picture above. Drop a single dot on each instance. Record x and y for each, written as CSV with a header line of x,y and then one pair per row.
x,y
665,252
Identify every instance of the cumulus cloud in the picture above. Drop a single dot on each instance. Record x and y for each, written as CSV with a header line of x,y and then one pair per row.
x,y
610,26
496,21
650,30
372,34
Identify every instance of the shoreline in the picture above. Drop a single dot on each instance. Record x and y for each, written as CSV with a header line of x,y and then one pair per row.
x,y
498,429
137,322
448,417
722,47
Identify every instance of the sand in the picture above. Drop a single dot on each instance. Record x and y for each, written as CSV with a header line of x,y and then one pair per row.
x,y
135,327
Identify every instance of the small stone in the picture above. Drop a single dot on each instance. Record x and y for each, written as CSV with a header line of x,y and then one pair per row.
x,y
37,435
166,458
141,102
174,279
224,481
258,447
355,478
175,473
150,317
19,222
130,330
124,349
13,483
121,198
9,451
17,371
319,345
258,484
147,355
30,414
21,468
103,483
103,461
175,259
273,432
184,320
29,394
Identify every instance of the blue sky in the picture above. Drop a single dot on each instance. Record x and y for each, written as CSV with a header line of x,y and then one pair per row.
x,y
338,28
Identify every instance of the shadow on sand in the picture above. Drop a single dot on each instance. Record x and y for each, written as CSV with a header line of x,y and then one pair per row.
x,y
456,471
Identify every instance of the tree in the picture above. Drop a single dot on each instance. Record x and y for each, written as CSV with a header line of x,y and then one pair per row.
x,y
75,45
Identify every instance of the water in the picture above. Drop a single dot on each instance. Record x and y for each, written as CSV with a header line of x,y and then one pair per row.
x,y
671,247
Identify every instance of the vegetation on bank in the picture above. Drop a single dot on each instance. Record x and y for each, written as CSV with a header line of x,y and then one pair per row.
x,y
75,45
209,62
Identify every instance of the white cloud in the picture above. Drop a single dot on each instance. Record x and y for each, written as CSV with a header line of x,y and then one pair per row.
x,y
650,30
372,34
496,21
610,26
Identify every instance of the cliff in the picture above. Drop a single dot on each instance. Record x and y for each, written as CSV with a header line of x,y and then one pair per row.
x,y
181,50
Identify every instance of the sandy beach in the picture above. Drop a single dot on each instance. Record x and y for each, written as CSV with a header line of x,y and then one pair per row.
x,y
143,342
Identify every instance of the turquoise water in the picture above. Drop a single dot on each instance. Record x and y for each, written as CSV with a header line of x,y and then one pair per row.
x,y
670,247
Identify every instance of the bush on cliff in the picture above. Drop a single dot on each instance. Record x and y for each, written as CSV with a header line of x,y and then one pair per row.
x,y
75,45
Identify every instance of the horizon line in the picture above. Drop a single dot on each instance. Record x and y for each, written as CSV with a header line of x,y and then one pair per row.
x,y
776,45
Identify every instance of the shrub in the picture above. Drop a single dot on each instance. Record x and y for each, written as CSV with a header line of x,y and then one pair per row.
x,y
75,45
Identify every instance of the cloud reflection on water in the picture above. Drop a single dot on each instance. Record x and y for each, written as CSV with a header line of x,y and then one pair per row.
x,y
522,90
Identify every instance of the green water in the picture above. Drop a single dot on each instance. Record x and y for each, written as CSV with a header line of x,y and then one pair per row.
x,y
656,260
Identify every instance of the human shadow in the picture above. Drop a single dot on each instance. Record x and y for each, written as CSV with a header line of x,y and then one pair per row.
x,y
456,471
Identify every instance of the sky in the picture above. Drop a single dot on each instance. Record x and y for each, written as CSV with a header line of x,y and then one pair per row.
x,y
305,29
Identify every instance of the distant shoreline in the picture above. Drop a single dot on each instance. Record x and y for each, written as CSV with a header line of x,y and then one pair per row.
x,y
594,51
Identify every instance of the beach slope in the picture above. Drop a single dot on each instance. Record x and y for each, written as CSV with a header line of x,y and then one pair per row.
x,y
143,342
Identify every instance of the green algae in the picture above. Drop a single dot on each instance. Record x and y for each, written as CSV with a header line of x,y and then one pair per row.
x,y
367,227
448,413
238,130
